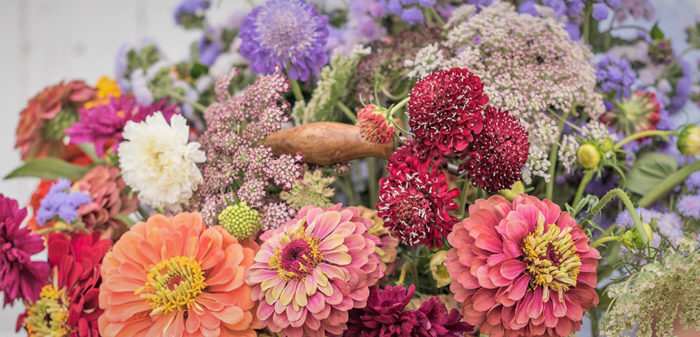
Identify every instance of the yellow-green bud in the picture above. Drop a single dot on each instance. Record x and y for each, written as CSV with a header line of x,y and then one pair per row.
x,y
633,239
689,140
515,190
607,145
439,269
588,156
240,220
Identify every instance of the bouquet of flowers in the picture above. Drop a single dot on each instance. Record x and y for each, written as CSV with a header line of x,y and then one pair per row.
x,y
428,168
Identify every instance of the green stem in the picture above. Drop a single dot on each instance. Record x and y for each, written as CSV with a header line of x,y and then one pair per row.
x,y
587,23
582,186
352,200
177,96
296,89
437,17
463,197
603,240
553,159
346,189
607,198
647,133
668,184
348,113
373,188
398,106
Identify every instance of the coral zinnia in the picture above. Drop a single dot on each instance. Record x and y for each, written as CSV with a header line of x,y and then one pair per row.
x,y
42,123
20,277
414,200
105,185
522,268
445,110
286,33
69,305
103,124
310,272
173,276
497,154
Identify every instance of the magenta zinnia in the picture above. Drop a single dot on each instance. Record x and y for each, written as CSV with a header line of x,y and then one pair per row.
x,y
310,272
103,124
20,277
497,154
523,268
445,110
415,200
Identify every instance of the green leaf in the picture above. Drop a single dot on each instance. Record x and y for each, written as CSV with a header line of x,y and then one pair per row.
x,y
650,170
49,168
198,69
656,33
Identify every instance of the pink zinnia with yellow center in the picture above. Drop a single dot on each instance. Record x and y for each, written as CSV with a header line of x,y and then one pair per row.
x,y
173,276
523,268
310,272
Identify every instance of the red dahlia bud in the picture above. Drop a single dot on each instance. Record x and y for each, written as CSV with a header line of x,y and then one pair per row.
x,y
374,125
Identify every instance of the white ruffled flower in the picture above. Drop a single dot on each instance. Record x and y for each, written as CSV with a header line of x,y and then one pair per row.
x,y
157,161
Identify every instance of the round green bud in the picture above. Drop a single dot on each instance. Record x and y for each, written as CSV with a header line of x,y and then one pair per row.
x,y
240,220
588,156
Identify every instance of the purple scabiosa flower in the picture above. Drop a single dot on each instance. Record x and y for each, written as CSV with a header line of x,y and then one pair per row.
x,y
671,226
188,9
681,91
286,33
689,206
600,11
61,201
412,16
208,50
21,277
103,125
693,182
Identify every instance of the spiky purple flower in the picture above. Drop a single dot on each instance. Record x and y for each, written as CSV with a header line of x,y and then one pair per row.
x,y
286,33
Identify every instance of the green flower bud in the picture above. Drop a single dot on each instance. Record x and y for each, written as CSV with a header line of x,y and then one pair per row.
x,y
588,156
515,190
689,140
240,220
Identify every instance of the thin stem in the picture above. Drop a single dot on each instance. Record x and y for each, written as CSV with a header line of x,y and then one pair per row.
x,y
352,200
626,27
348,113
404,270
603,240
436,15
582,186
647,133
373,188
619,193
398,106
587,23
553,159
668,184
463,197
296,89
176,95
560,118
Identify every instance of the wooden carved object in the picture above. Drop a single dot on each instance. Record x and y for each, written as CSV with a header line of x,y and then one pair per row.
x,y
326,143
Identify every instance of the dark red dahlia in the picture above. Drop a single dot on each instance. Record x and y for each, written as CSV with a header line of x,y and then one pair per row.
x,y
414,200
497,154
442,322
385,315
374,124
445,110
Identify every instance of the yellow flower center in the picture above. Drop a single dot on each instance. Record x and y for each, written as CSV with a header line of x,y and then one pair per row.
x,y
551,259
49,314
173,285
297,256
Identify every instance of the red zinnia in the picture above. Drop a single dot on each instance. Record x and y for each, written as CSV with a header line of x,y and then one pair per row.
x,y
374,125
445,110
414,200
497,154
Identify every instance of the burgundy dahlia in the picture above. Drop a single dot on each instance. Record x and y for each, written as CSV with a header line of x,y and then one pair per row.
x,y
374,124
445,110
414,200
20,277
385,316
497,154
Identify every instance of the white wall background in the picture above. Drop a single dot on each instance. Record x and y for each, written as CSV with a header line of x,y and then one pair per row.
x,y
45,41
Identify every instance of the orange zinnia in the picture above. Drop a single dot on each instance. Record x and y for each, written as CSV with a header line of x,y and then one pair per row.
x,y
173,276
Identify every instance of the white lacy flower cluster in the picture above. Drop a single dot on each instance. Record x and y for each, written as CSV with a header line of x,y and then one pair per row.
x,y
593,132
157,161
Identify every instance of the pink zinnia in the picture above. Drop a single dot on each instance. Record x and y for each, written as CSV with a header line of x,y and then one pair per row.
x,y
103,124
310,272
523,268
20,277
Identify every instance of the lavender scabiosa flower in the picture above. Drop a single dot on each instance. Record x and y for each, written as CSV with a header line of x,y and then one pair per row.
x,y
189,12
61,202
239,168
288,34
689,206
692,183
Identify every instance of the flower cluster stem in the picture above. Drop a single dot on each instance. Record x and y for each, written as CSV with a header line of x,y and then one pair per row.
x,y
668,184
296,89
647,133
622,195
348,113
179,97
373,188
553,159
582,186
